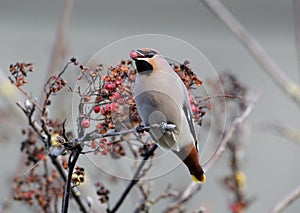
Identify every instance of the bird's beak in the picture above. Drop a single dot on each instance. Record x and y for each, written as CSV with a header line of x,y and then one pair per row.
x,y
135,55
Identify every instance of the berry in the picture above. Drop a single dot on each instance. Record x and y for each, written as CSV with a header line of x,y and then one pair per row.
x,y
108,108
110,86
115,96
41,156
194,108
87,98
86,123
115,106
97,109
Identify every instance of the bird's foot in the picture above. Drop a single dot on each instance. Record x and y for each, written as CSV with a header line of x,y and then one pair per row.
x,y
141,128
167,127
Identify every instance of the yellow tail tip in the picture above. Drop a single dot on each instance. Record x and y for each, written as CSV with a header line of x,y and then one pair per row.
x,y
202,180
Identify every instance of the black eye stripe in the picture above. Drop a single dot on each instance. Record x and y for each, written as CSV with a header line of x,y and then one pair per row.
x,y
148,54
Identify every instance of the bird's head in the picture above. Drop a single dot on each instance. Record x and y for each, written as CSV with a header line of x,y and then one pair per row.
x,y
147,59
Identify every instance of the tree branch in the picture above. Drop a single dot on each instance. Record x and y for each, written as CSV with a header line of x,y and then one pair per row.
x,y
72,162
286,201
237,121
286,84
60,46
296,7
193,187
135,179
76,195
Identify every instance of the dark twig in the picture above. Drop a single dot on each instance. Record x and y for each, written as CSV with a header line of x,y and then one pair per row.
x,y
135,179
72,162
71,165
79,200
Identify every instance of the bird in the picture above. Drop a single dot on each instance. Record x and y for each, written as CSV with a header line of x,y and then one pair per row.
x,y
161,97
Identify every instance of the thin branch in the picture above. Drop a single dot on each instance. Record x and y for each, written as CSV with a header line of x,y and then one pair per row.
x,y
286,84
290,133
75,193
135,179
30,98
60,45
237,121
73,160
188,193
296,8
147,204
71,165
205,98
193,187
286,201
79,200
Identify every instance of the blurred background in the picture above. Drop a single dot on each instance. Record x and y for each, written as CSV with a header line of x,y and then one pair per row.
x,y
28,32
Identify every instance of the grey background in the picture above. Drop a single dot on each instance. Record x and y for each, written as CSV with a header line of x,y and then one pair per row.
x,y
27,33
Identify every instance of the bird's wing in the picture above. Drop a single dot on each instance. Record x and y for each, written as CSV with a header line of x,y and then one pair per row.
x,y
189,116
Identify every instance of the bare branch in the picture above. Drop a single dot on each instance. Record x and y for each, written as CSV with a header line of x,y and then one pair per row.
x,y
60,45
135,179
290,133
67,190
286,201
286,84
188,193
193,187
296,7
71,165
221,147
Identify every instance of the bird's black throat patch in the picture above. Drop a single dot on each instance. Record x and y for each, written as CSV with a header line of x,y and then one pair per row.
x,y
143,66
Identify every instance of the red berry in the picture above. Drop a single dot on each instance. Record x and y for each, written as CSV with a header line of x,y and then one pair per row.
x,y
41,156
115,106
86,123
98,99
93,144
110,86
97,109
108,108
115,96
106,78
194,108
119,82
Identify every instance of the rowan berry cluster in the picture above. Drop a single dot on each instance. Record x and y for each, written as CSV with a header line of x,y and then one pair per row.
x,y
38,189
106,105
186,74
102,192
78,176
19,72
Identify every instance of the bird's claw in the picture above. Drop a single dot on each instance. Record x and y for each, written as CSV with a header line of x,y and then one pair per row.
x,y
167,127
141,128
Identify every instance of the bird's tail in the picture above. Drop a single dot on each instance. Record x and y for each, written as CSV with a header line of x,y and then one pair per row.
x,y
190,158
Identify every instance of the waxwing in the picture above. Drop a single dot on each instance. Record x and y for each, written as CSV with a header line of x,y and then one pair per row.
x,y
161,97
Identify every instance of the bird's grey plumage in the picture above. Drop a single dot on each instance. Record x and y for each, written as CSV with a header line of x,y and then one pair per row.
x,y
161,96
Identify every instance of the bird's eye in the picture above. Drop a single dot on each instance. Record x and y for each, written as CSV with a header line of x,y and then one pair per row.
x,y
150,55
